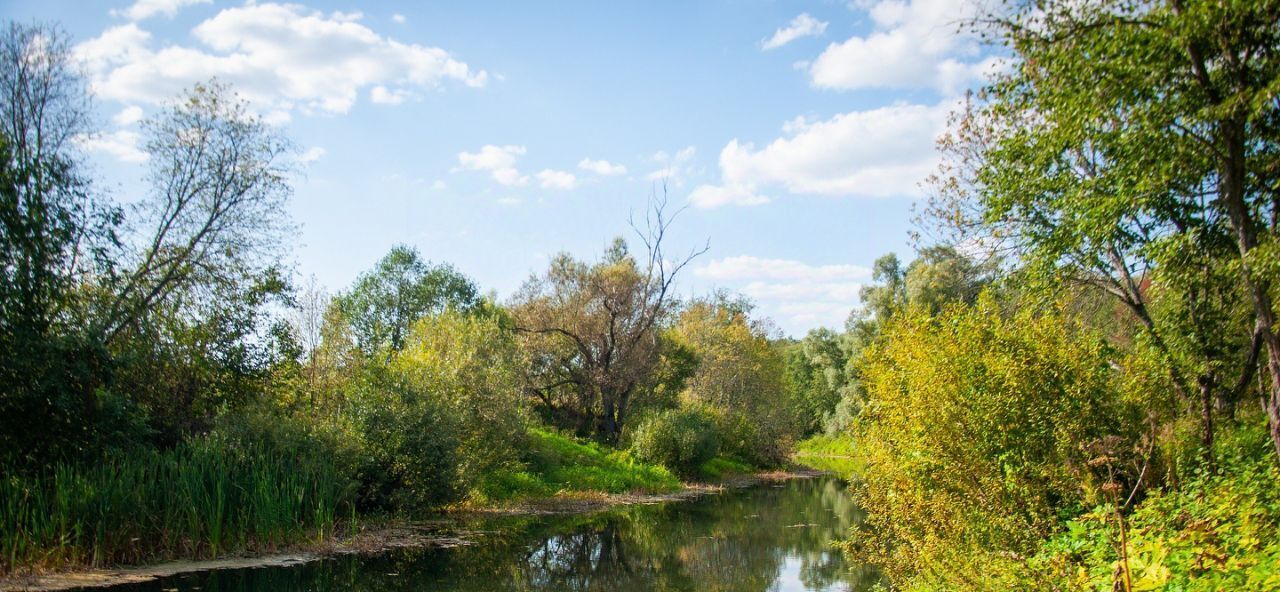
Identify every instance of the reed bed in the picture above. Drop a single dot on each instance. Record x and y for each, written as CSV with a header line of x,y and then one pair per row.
x,y
197,501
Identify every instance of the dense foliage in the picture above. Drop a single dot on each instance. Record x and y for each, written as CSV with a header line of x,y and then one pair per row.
x,y
679,439
1104,416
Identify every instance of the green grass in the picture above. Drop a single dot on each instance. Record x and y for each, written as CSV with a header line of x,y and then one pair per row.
x,y
555,463
821,445
827,453
196,501
723,466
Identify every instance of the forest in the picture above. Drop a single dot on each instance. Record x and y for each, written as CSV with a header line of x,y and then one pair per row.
x,y
1072,384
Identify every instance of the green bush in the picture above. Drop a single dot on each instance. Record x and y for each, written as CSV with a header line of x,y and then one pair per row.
x,y
469,367
1215,532
412,445
679,439
977,439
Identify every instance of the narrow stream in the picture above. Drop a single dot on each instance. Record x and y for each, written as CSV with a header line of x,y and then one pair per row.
x,y
770,537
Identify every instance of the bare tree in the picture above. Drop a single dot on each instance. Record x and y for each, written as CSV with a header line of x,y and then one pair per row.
x,y
215,216
307,318
592,328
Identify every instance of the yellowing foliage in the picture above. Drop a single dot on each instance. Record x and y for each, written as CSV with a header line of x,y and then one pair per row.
x,y
972,443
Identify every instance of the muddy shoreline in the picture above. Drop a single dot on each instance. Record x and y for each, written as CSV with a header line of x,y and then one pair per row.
x,y
439,533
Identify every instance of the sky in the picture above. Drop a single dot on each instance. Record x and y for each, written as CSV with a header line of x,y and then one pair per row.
x,y
492,135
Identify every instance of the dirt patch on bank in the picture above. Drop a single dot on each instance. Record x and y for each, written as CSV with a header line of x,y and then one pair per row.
x,y
373,539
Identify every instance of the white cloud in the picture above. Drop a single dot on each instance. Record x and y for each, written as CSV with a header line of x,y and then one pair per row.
x,y
120,144
399,18
148,8
384,96
282,57
913,44
439,185
510,201
876,153
550,179
797,295
312,154
128,116
602,167
499,161
801,26
673,168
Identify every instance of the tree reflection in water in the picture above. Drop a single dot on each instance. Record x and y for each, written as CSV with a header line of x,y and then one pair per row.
x,y
766,538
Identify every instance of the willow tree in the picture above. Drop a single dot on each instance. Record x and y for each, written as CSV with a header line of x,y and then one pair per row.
x,y
592,329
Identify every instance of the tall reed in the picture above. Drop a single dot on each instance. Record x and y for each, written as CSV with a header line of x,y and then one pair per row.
x,y
199,500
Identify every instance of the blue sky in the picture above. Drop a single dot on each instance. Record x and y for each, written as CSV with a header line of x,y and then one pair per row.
x,y
492,135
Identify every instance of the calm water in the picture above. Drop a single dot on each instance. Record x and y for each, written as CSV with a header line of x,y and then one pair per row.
x,y
772,537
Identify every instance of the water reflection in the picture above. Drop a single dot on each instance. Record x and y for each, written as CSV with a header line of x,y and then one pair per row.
x,y
765,538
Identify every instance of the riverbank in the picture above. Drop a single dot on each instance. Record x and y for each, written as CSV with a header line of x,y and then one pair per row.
x,y
443,531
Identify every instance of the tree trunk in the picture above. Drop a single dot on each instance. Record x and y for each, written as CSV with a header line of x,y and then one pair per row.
x,y
1231,192
1206,419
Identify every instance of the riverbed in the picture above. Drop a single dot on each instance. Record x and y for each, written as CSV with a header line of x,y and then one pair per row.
x,y
774,536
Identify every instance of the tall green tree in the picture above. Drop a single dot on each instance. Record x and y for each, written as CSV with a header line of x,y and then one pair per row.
x,y
400,289
1133,147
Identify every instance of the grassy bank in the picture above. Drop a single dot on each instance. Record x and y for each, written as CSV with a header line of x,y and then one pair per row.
x,y
827,453
203,501
554,463
197,501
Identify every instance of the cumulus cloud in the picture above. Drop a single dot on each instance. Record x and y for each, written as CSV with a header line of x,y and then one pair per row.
x,y
282,57
384,96
498,161
128,116
875,153
801,26
602,167
550,179
913,44
143,9
399,18
120,144
798,295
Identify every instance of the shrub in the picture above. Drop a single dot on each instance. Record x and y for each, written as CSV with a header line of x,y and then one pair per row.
x,y
1214,532
974,440
413,447
468,365
680,439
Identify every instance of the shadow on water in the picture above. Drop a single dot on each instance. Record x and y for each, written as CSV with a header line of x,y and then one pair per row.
x,y
772,537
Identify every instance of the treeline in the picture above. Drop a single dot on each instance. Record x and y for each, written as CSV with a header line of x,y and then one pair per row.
x,y
170,389
1095,405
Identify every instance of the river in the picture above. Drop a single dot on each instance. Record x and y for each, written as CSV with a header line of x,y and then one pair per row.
x,y
773,537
